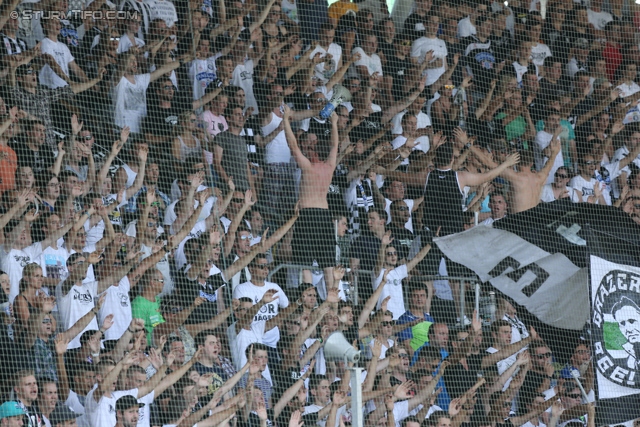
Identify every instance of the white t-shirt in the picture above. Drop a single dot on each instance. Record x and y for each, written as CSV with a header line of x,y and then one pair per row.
x,y
599,19
548,195
372,62
465,28
503,364
419,49
393,288
325,70
277,150
424,121
125,44
117,302
74,305
73,402
584,186
243,339
130,101
243,76
12,261
179,257
103,412
543,139
62,55
54,263
628,90
201,73
267,311
538,53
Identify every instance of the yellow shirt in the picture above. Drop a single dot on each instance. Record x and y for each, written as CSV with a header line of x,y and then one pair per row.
x,y
339,8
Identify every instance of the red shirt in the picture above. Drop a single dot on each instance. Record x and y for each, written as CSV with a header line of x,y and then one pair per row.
x,y
613,56
8,167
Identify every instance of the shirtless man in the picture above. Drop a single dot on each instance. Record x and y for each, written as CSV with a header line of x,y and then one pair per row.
x,y
526,185
314,235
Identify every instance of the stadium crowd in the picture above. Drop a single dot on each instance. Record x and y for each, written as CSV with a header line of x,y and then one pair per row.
x,y
207,123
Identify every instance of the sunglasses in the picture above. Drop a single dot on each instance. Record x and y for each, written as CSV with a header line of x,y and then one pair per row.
x,y
167,87
46,321
294,322
152,224
562,176
175,309
403,356
390,323
405,43
235,200
78,262
247,237
575,396
114,39
88,137
544,355
451,87
29,71
267,266
403,209
392,253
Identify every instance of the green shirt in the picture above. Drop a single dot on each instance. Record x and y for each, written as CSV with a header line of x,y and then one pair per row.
x,y
142,308
514,129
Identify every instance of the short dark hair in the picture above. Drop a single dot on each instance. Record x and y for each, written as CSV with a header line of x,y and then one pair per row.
x,y
444,155
256,346
202,337
495,326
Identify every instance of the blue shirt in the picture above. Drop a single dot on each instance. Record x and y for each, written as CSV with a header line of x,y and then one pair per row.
x,y
407,317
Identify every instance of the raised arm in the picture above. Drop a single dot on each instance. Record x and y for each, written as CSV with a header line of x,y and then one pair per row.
x,y
508,350
419,257
468,179
233,227
143,152
292,142
165,69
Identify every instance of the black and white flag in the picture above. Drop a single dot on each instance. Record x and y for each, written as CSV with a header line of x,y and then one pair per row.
x,y
536,279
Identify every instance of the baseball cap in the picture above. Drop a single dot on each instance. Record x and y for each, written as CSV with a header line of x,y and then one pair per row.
x,y
126,402
62,413
10,409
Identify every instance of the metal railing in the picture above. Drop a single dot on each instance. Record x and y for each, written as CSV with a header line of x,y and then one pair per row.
x,y
353,288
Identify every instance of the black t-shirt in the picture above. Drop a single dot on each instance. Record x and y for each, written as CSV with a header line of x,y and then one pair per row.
x,y
502,45
370,126
398,69
402,240
284,377
254,419
188,290
532,381
481,59
458,380
365,248
160,121
39,161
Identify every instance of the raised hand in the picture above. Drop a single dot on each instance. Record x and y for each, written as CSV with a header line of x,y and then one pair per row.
x,y
124,135
338,273
107,322
76,126
387,239
61,344
143,153
557,409
376,349
296,419
339,398
116,147
261,410
404,390
170,358
455,407
269,296
389,402
460,136
385,302
513,159
248,198
155,358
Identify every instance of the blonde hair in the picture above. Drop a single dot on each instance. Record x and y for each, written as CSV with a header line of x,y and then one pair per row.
x,y
28,271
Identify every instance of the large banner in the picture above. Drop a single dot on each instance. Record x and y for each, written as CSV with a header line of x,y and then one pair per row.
x,y
615,330
549,286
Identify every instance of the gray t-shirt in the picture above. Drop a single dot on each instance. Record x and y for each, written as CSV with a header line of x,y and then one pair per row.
x,y
234,158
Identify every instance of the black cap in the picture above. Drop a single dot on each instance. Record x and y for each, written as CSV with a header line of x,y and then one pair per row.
x,y
61,414
126,402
